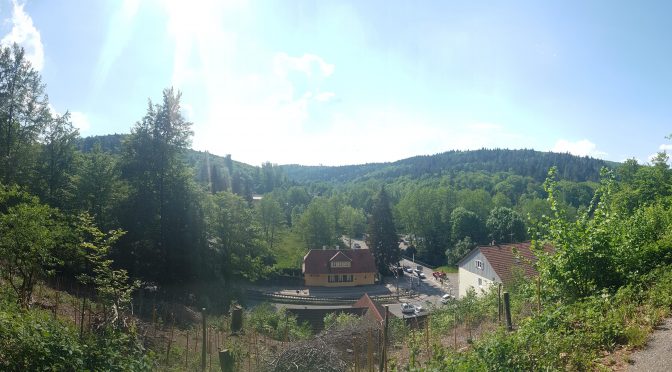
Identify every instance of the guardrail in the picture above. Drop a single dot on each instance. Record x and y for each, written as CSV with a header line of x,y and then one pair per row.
x,y
311,300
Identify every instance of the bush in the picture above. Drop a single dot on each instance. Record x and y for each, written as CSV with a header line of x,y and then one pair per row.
x,y
32,340
277,324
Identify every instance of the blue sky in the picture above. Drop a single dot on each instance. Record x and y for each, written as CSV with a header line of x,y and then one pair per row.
x,y
347,82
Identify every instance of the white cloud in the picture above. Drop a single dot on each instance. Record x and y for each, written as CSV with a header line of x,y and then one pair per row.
x,y
275,111
579,148
80,121
325,96
309,64
665,147
25,34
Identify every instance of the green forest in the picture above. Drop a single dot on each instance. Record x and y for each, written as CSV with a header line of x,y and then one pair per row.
x,y
124,214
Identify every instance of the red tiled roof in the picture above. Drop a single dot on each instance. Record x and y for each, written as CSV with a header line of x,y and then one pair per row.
x,y
339,256
506,259
373,308
316,261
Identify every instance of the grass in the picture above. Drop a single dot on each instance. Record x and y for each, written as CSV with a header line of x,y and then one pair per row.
x,y
289,251
447,269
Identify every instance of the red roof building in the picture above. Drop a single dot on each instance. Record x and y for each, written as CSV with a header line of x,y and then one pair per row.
x,y
338,268
500,263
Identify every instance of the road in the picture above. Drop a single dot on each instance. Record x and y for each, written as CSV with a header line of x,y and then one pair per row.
x,y
411,289
425,292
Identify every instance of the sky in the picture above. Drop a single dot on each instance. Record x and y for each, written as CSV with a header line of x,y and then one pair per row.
x,y
359,81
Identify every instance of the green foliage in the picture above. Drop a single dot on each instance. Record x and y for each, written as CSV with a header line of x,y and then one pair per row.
x,y
506,226
24,113
525,163
465,223
382,233
33,340
353,221
339,320
113,287
271,219
461,248
57,162
277,324
580,246
318,225
424,213
98,186
29,232
235,239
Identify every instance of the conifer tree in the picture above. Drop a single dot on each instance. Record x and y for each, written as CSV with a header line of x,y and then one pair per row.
x,y
382,238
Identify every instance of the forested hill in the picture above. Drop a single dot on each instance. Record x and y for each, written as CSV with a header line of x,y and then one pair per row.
x,y
112,143
529,163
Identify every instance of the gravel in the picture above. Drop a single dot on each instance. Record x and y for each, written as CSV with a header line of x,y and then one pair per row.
x,y
657,356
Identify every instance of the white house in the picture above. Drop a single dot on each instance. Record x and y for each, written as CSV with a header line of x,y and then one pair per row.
x,y
489,264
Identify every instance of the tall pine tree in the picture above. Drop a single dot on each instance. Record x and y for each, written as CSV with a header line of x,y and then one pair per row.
x,y
382,238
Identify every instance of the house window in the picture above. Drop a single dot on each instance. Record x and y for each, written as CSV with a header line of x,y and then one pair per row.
x,y
479,264
340,263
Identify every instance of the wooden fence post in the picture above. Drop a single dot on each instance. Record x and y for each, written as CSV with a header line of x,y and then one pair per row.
x,y
186,353
507,311
226,361
205,340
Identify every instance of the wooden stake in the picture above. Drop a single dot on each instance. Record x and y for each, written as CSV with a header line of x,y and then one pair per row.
x,y
369,354
499,303
427,334
354,352
81,320
58,294
507,311
203,347
386,336
154,319
538,294
455,330
170,339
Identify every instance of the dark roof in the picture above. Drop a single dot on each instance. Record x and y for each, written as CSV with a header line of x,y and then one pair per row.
x,y
376,310
315,317
507,259
316,261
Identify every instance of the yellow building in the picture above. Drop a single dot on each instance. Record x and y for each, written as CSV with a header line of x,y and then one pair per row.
x,y
338,268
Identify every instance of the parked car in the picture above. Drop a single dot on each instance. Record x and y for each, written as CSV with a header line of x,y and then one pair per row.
x,y
408,269
446,298
407,308
419,308
439,275
357,245
422,275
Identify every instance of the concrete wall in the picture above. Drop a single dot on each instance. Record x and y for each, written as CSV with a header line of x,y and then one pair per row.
x,y
322,280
